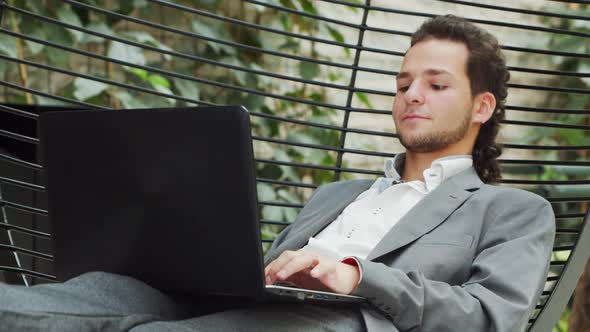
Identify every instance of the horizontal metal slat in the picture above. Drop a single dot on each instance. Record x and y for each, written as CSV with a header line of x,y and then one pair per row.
x,y
26,251
22,207
518,10
25,230
19,162
28,272
22,184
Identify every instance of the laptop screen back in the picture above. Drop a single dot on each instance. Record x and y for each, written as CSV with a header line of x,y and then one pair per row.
x,y
164,195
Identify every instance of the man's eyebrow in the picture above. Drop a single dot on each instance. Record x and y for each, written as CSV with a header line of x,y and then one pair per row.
x,y
429,72
402,74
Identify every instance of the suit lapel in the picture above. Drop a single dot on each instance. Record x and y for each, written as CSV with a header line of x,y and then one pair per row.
x,y
429,212
324,208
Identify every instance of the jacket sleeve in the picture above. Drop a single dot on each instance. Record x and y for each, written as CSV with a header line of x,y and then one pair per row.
x,y
507,275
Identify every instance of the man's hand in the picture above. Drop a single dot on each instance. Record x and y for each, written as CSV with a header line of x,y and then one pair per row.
x,y
311,271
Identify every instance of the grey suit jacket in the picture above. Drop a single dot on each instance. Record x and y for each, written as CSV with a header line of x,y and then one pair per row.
x,y
468,257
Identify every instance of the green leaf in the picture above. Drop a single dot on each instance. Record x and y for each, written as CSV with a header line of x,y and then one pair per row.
x,y
308,6
261,8
8,45
161,84
157,80
140,73
238,74
57,57
254,102
571,136
33,29
3,66
163,89
85,88
308,70
265,192
584,67
213,30
139,3
266,80
288,171
41,100
127,6
291,45
337,36
269,171
146,38
288,196
127,53
59,35
272,213
569,44
364,99
334,76
140,36
67,15
577,101
128,101
187,88
37,7
267,234
33,46
100,27
285,21
358,2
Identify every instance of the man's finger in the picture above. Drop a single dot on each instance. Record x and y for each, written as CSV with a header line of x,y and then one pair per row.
x,y
325,273
275,266
301,262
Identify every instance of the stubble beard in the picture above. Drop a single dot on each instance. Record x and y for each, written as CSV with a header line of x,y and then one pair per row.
x,y
434,141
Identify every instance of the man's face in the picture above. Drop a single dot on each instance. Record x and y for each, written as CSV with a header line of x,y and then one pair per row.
x,y
433,106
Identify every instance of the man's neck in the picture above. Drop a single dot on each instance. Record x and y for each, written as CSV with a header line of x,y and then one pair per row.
x,y
416,163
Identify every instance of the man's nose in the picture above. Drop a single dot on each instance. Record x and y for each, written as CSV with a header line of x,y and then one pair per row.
x,y
414,95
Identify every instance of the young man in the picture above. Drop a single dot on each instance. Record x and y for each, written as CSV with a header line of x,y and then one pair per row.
x,y
432,246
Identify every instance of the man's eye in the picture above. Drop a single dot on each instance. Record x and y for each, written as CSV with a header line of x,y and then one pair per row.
x,y
402,88
438,87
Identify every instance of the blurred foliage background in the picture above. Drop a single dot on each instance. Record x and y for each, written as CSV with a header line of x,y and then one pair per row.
x,y
173,76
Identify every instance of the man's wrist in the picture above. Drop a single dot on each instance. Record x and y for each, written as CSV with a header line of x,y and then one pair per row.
x,y
353,261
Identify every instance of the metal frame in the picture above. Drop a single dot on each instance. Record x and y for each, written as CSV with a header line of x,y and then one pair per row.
x,y
566,284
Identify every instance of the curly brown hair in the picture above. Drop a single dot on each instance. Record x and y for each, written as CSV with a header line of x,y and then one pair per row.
x,y
487,72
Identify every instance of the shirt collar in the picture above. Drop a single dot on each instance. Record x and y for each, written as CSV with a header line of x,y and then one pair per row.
x,y
440,170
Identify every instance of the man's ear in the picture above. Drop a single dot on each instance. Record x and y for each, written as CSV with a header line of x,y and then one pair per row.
x,y
485,104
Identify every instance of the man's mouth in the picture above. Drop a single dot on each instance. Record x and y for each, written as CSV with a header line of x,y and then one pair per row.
x,y
414,117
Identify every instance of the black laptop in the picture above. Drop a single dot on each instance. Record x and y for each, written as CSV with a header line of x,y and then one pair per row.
x,y
167,196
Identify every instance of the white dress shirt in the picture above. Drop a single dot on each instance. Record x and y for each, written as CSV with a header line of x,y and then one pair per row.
x,y
365,221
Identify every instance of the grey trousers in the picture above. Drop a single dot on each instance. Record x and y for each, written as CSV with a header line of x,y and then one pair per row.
x,y
100,301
